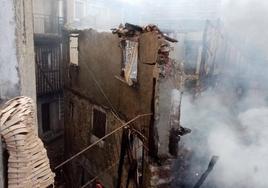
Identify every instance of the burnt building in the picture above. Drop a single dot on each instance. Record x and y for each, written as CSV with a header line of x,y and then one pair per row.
x,y
119,78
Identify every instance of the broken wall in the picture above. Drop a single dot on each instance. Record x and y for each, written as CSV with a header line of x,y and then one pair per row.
x,y
167,106
96,81
100,60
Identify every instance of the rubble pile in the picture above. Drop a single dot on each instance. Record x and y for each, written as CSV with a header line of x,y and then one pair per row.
x,y
129,37
133,31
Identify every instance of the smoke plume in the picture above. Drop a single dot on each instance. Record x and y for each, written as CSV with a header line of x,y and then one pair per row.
x,y
231,120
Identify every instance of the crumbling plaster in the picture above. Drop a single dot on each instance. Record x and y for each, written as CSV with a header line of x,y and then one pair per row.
x,y
9,82
17,65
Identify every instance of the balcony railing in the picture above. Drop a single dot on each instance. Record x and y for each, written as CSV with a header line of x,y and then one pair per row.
x,y
48,74
47,24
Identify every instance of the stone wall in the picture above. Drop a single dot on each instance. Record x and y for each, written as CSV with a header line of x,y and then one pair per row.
x,y
78,135
96,81
100,60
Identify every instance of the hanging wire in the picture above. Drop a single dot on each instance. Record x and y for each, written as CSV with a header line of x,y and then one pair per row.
x,y
107,169
101,90
98,141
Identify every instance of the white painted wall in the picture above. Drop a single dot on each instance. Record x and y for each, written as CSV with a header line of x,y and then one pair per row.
x,y
9,78
17,64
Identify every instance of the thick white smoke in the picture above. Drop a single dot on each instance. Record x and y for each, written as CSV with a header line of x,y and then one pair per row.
x,y
247,20
225,123
234,129
238,137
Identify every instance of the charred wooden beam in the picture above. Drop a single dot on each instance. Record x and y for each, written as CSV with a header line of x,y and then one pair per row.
x,y
123,152
133,27
174,138
170,39
204,176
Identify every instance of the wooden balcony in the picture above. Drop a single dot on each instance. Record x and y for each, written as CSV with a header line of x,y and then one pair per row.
x,y
48,69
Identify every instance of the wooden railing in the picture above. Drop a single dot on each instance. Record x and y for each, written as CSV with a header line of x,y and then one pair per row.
x,y
48,65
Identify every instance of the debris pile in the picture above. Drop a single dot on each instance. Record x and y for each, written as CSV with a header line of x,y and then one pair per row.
x,y
130,30
28,164
129,38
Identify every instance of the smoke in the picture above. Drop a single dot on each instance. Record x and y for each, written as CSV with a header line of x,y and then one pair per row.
x,y
239,136
231,120
104,14
247,20
131,2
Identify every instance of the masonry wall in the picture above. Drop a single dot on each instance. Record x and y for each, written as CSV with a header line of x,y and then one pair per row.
x,y
99,66
97,159
100,60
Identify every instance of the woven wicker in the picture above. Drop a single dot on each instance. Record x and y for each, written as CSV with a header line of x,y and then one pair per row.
x,y
28,164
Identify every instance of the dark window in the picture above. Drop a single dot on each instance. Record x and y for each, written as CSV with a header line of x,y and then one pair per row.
x,y
45,117
99,123
123,46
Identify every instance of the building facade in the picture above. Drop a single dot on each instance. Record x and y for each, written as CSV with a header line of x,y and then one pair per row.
x,y
48,25
101,94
